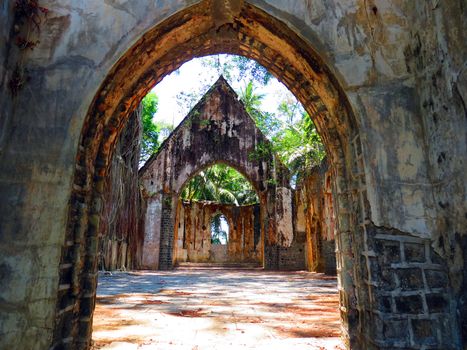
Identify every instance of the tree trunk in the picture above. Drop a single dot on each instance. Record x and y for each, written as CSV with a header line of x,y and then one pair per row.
x,y
121,236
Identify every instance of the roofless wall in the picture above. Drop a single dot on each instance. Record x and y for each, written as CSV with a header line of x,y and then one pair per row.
x,y
217,130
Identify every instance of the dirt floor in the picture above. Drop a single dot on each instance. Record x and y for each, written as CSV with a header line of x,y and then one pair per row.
x,y
199,309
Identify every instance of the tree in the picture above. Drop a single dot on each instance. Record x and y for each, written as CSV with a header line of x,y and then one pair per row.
x,y
237,68
150,137
266,122
291,131
165,129
248,67
222,184
298,142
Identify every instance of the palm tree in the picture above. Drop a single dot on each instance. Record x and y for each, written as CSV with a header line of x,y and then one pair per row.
x,y
266,122
251,100
220,183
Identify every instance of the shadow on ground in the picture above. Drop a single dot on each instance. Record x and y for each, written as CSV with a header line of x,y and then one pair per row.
x,y
216,309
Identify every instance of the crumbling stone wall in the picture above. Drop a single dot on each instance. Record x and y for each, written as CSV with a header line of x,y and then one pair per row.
x,y
384,82
293,257
315,219
436,55
217,129
193,233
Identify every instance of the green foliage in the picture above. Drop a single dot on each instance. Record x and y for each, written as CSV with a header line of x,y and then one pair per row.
x,y
150,137
222,184
299,145
238,68
291,131
165,129
266,122
263,152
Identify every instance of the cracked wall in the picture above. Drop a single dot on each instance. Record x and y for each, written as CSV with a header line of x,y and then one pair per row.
x,y
384,82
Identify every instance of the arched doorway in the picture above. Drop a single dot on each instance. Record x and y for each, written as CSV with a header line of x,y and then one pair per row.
x,y
247,31
217,130
217,221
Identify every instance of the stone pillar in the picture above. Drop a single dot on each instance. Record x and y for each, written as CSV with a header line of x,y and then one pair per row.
x,y
169,208
152,233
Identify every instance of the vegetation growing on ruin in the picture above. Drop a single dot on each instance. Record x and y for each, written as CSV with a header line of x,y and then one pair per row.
x,y
27,23
290,130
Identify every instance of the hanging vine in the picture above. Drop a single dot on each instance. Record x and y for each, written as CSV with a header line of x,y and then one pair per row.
x,y
28,17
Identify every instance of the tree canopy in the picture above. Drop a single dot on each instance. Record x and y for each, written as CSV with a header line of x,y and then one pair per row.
x,y
291,131
150,136
222,184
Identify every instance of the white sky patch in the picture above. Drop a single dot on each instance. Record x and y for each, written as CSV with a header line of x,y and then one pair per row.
x,y
192,76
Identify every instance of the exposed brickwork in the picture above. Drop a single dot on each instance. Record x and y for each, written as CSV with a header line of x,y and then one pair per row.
x,y
271,257
409,292
293,257
389,104
167,232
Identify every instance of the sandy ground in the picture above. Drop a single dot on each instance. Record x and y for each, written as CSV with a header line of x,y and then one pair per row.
x,y
199,309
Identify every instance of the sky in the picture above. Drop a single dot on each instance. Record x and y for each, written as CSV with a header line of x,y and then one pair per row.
x,y
193,76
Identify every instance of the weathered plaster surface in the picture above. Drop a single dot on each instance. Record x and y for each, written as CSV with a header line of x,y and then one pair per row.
x,y
193,234
316,218
217,129
401,64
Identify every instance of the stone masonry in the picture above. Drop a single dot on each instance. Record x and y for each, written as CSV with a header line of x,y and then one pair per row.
x,y
217,129
193,234
384,81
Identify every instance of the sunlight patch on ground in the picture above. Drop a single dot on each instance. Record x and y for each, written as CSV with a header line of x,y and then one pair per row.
x,y
216,309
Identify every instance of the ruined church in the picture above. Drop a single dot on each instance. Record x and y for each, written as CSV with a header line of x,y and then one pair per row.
x,y
375,237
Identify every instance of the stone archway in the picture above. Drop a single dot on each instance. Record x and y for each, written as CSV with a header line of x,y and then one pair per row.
x,y
194,229
367,307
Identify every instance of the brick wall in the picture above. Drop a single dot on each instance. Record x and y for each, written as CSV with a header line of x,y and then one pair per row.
x,y
167,232
410,292
293,257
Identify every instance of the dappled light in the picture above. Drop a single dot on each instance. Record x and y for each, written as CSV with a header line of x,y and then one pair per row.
x,y
217,309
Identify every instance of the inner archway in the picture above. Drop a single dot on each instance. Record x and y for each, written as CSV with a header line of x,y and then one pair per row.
x,y
218,220
198,31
